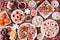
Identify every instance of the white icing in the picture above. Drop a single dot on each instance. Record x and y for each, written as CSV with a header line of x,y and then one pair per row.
x,y
55,3
27,11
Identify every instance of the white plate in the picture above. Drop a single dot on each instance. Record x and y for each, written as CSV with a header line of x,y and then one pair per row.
x,y
21,12
50,28
42,13
26,24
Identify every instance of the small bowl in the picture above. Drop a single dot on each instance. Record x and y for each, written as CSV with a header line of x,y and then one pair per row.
x,y
37,21
56,15
28,18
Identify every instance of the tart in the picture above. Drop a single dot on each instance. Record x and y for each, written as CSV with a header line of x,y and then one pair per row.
x,y
22,5
17,16
33,12
40,36
28,18
32,4
45,9
55,3
27,31
37,21
49,28
4,19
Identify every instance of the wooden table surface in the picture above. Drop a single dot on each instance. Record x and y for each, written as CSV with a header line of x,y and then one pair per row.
x,y
57,9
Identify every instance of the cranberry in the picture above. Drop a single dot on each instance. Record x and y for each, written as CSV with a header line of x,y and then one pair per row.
x,y
17,16
13,15
17,12
20,19
15,19
20,14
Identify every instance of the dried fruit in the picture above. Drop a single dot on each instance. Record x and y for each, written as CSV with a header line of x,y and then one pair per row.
x,y
7,20
2,23
3,15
